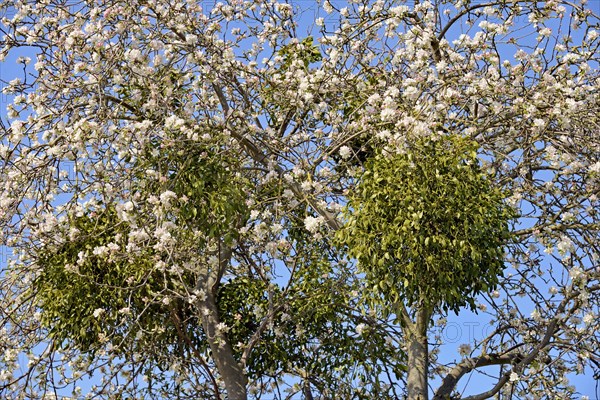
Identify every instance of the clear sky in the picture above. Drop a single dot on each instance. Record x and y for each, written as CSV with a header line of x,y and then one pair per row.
x,y
460,329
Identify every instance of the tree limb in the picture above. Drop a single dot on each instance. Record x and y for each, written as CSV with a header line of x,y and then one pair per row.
x,y
468,365
258,156
451,380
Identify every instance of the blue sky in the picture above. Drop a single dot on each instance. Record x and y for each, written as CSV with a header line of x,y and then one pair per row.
x,y
460,329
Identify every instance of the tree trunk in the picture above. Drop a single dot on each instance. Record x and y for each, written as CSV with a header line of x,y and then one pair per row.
x,y
418,357
230,371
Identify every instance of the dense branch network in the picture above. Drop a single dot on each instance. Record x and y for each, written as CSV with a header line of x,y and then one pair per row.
x,y
173,181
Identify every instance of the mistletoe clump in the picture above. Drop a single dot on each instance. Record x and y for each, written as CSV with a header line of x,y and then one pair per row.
x,y
427,225
85,295
92,286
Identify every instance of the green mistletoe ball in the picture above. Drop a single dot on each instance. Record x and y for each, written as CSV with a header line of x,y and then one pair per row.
x,y
428,225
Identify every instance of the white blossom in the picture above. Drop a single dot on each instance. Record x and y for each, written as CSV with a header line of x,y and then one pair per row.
x,y
360,328
167,197
134,55
125,101
128,206
313,224
17,134
545,31
191,39
576,273
345,152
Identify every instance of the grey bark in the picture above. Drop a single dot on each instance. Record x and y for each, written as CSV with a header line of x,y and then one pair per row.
x,y
231,372
451,380
418,357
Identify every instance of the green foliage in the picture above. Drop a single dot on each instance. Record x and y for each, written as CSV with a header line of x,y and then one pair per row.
x,y
201,174
305,51
70,291
69,296
242,302
321,303
313,326
428,225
